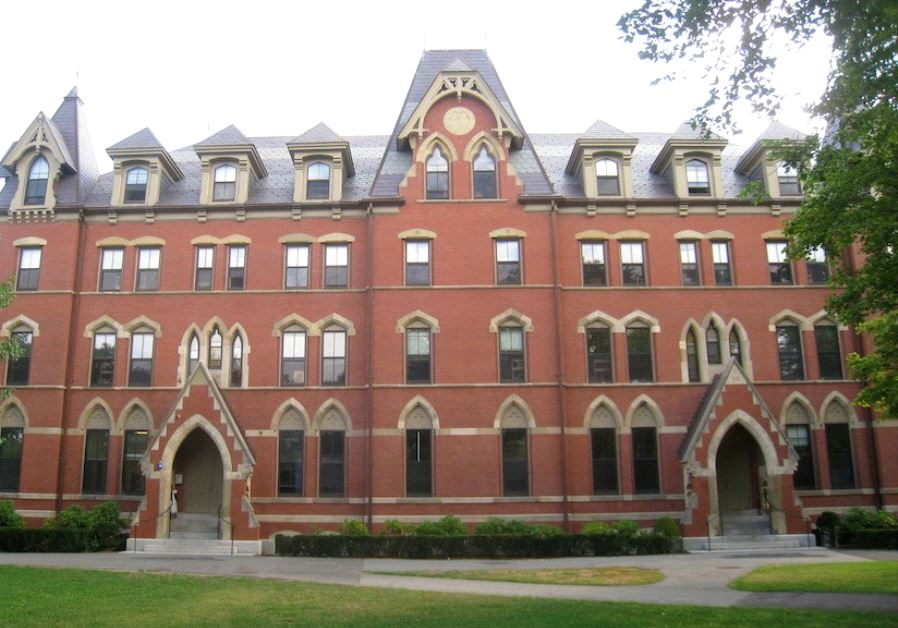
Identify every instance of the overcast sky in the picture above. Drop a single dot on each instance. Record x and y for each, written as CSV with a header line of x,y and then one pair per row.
x,y
186,69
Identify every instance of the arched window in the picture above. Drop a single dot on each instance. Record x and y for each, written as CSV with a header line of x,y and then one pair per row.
x,y
215,343
692,357
12,435
137,429
437,167
237,361
293,356
418,453
607,177
17,369
36,187
332,454
644,433
318,182
838,446
798,431
136,185
102,366
829,357
603,436
193,354
333,356
697,179
485,185
96,452
291,449
712,344
224,186
417,354
736,346
515,452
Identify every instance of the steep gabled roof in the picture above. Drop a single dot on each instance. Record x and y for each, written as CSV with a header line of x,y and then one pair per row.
x,y
144,144
144,138
318,134
602,129
232,140
228,136
775,132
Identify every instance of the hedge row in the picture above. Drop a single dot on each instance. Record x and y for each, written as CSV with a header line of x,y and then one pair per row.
x,y
475,546
57,540
875,539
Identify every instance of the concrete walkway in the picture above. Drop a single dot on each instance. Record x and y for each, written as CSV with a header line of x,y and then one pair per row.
x,y
699,579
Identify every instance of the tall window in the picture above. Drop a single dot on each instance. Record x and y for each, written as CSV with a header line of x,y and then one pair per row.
x,y
604,460
800,437
318,185
818,268
290,458
639,353
29,268
237,361
778,263
102,367
135,447
417,355
697,180
224,186
193,359
417,262
632,263
148,268
485,175
512,366
10,458
36,188
508,262
140,372
333,367
418,463
598,355
515,479
17,368
788,340
336,265
205,259
607,178
331,474
293,357
111,262
645,460
237,267
136,185
689,263
838,449
736,346
712,345
829,358
96,456
592,256
692,357
720,255
215,349
437,167
788,179
297,271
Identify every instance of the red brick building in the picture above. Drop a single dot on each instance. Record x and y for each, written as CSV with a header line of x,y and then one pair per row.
x,y
460,317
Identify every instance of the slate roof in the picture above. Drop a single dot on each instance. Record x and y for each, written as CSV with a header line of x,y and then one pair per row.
x,y
318,134
228,136
144,138
601,129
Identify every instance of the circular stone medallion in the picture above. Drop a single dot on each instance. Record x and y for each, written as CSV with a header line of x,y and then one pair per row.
x,y
458,120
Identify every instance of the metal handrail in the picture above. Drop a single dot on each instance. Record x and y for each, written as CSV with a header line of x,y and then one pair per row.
x,y
230,527
136,524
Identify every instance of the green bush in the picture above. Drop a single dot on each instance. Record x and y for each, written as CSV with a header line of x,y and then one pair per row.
x,y
9,518
595,528
45,540
886,538
496,525
626,528
101,526
395,527
353,527
668,527
827,526
857,519
450,525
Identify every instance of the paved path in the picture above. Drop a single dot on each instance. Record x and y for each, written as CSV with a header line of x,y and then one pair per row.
x,y
699,579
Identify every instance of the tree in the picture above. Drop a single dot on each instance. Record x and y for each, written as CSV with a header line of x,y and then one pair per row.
x,y
850,177
9,348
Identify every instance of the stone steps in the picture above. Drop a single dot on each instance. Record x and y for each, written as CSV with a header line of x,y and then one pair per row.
x,y
748,542
194,547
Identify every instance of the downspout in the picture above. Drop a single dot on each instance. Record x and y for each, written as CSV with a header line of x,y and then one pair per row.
x,y
559,361
77,275
369,341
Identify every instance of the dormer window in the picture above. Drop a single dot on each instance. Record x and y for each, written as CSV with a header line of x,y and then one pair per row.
x,y
485,185
318,185
224,187
607,178
38,175
697,179
437,167
136,185
788,180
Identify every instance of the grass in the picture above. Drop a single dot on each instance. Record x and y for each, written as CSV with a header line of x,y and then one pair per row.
x,y
595,576
855,577
67,597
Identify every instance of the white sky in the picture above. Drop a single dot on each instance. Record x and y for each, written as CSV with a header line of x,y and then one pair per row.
x,y
186,69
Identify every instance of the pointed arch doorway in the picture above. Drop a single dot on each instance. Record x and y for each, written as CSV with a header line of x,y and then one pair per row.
x,y
742,484
198,475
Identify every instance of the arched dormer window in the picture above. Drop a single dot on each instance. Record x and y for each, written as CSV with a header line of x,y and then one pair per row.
x,y
607,177
318,181
485,183
193,354
692,357
136,185
437,168
36,187
224,186
712,344
237,361
215,345
698,181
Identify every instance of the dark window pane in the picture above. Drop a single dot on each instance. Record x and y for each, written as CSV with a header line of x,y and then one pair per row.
x,y
103,362
110,280
11,439
141,372
135,448
712,344
789,344
96,455
297,277
336,277
633,274
36,192
604,460
818,273
485,184
417,356
318,190
780,273
17,369
417,274
236,277
514,462
294,372
224,191
608,186
27,279
838,448
508,273
417,463
290,459
437,185
829,358
692,357
639,354
723,276
203,278
645,460
800,438
598,354
331,473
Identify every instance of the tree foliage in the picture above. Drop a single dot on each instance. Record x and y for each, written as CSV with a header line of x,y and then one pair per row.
x,y
849,177
9,348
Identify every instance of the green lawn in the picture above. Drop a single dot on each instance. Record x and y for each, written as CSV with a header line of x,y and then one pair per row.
x,y
857,577
39,597
592,576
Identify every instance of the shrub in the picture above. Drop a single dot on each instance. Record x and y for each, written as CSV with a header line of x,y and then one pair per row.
x,y
395,527
9,518
353,527
595,528
827,526
101,527
495,525
626,528
857,519
886,538
666,526
450,525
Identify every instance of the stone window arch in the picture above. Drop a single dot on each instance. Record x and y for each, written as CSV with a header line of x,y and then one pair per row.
x,y
645,420
515,421
12,440
839,447
603,432
693,369
436,168
331,425
36,184
484,173
97,425
135,440
291,430
418,424
799,420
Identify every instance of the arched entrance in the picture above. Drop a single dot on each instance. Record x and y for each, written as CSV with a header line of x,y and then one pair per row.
x,y
742,484
198,475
